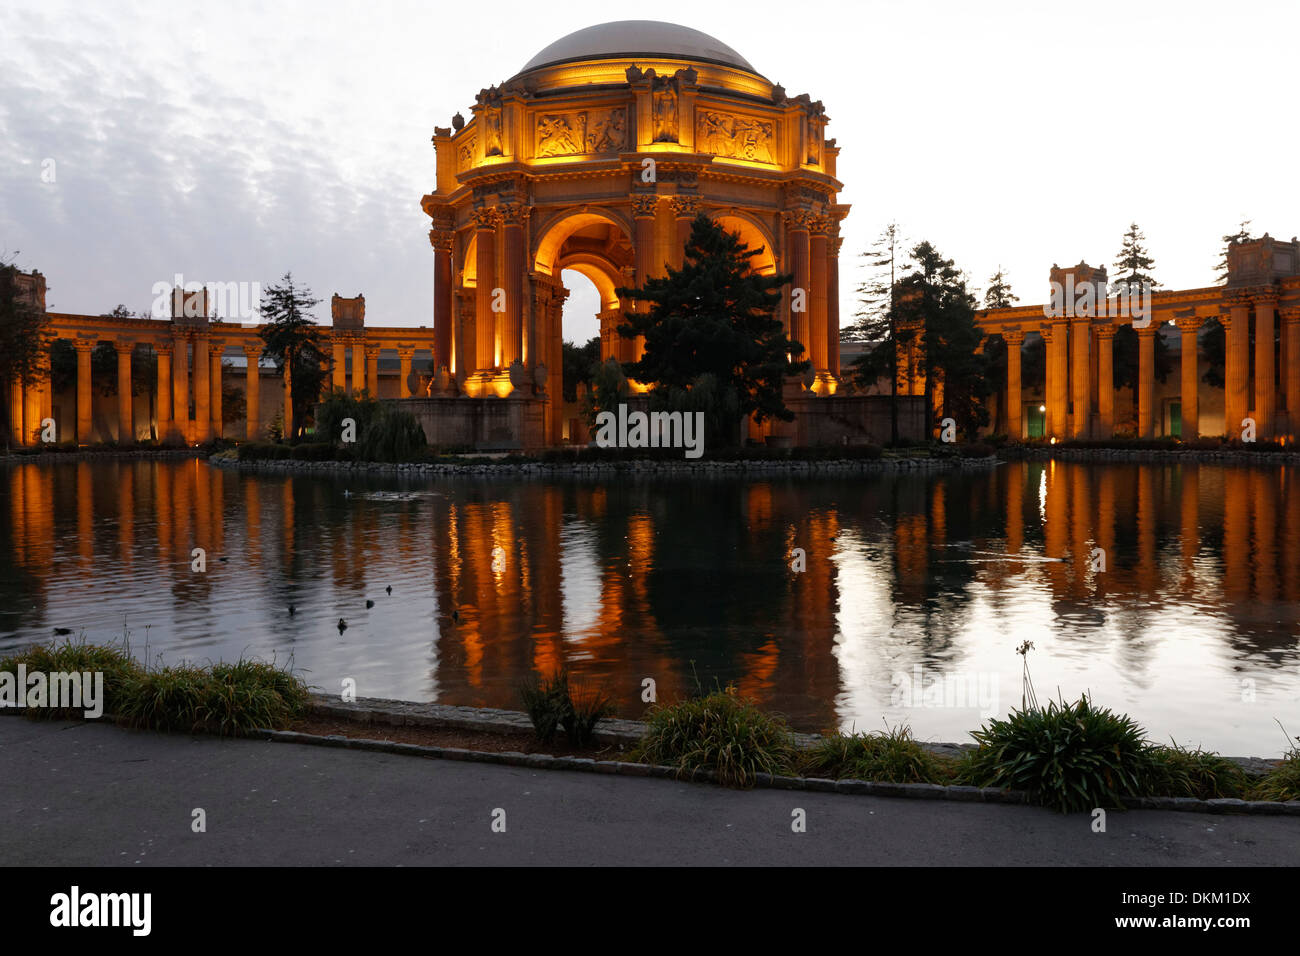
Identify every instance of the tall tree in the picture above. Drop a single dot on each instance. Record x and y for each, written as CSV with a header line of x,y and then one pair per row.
x,y
1133,266
294,341
1241,235
875,327
716,316
934,299
580,363
25,339
999,294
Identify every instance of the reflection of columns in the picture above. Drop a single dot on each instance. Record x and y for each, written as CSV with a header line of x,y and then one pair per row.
x,y
799,245
1291,368
253,391
513,324
1146,380
819,284
1015,475
1055,335
84,347
486,280
339,373
1106,381
404,355
442,236
1014,338
1189,510
1236,361
372,370
125,400
1265,387
163,351
202,389
181,386
1080,379
643,212
217,351
1189,366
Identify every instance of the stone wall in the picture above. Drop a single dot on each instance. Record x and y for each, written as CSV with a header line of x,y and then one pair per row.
x,y
854,419
485,424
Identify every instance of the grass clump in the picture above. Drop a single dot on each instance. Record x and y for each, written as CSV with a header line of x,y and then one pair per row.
x,y
228,699
723,732
1178,772
114,661
891,757
552,703
1282,782
1067,756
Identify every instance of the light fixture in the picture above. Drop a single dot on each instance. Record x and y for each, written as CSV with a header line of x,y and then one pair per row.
x,y
1042,408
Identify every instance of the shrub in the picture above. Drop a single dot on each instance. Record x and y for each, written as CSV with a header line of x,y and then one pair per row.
x,y
586,709
312,451
1283,781
976,450
391,436
1069,757
263,451
722,732
1177,772
892,757
552,703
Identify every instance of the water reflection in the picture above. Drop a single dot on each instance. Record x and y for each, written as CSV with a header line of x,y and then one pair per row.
x,y
1171,592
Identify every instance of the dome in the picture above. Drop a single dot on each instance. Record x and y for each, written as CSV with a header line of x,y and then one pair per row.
x,y
634,38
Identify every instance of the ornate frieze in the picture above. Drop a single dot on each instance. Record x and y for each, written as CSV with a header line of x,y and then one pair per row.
x,y
734,136
581,132
464,153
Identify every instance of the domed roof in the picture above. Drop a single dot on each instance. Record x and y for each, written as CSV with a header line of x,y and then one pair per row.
x,y
633,38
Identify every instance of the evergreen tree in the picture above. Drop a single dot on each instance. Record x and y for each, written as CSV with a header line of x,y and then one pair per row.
x,y
1133,266
294,341
1241,235
999,294
580,363
875,327
716,316
25,339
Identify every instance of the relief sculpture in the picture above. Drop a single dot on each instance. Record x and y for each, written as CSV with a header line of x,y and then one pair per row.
x,y
575,134
740,137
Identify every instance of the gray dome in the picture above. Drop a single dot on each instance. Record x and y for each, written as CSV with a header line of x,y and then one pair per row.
x,y
633,38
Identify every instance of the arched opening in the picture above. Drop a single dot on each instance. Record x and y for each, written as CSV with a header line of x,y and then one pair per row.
x,y
755,236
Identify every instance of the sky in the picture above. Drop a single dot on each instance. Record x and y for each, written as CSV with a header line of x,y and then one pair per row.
x,y
237,141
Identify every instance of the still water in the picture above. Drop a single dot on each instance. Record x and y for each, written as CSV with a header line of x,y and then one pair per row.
x,y
1169,592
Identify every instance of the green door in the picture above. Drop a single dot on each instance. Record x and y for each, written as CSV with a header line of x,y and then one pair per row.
x,y
1176,419
1035,421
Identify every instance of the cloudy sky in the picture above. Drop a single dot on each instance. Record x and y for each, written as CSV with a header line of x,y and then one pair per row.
x,y
235,141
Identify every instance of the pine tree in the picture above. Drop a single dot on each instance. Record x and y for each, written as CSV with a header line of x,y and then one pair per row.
x,y
294,340
1133,266
999,294
1241,235
715,316
875,327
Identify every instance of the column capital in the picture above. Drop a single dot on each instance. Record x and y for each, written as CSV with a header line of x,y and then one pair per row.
x,y
124,345
1106,332
1237,298
485,218
797,220
251,348
1050,330
685,207
404,350
513,213
372,349
163,346
1265,295
1147,331
1290,314
821,225
82,344
1013,336
644,205
442,239
1189,323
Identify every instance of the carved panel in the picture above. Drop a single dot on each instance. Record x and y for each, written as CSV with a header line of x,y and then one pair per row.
x,y
465,154
665,109
581,132
738,137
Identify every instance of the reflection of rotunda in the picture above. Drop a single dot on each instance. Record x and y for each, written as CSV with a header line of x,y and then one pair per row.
x,y
595,157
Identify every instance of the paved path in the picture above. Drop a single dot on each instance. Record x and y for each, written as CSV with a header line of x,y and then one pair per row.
x,y
94,794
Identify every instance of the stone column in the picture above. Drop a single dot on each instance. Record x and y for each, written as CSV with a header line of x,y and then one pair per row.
x,y
1146,380
818,288
1106,381
17,425
404,356
1080,377
798,243
442,238
512,331
163,400
643,212
1236,361
1291,368
1055,335
84,398
125,400
202,389
1189,378
372,369
217,349
253,391
1015,404
181,387
685,209
339,373
484,317
833,309
286,413
1265,385
358,367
